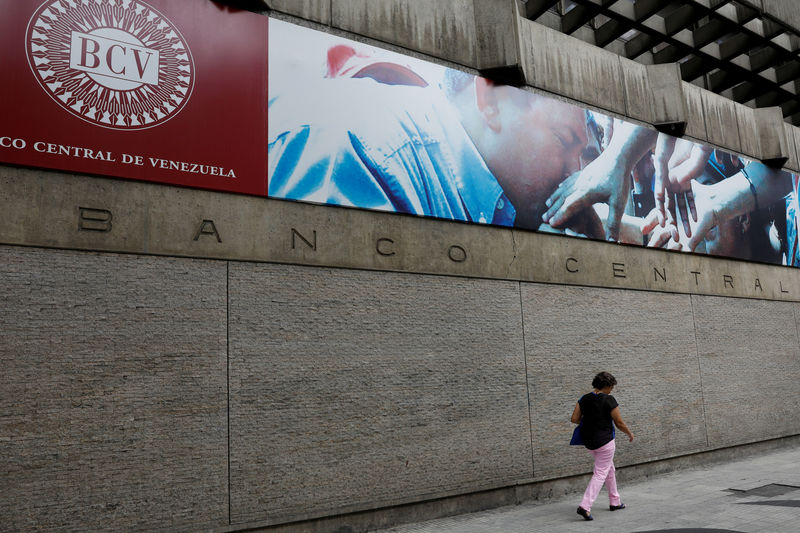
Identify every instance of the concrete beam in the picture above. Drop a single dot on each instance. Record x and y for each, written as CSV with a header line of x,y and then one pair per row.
x,y
536,8
709,32
669,111
784,11
721,122
586,74
749,91
638,93
579,15
440,28
481,34
316,10
695,121
771,134
681,18
641,44
748,131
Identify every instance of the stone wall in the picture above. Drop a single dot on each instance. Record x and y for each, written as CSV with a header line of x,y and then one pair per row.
x,y
113,394
354,389
179,360
132,382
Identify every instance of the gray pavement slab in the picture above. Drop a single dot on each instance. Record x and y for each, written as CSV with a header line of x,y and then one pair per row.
x,y
759,494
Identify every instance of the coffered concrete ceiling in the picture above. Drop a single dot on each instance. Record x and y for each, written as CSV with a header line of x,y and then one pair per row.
x,y
746,50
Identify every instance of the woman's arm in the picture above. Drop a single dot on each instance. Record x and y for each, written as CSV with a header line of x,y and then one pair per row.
x,y
576,414
620,424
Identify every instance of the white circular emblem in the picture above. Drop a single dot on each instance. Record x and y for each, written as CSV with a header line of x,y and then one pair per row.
x,y
114,63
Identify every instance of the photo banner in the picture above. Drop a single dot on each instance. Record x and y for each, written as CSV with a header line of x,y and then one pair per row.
x,y
198,94
358,126
155,90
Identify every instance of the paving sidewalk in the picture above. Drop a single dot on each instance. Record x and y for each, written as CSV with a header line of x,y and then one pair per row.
x,y
759,494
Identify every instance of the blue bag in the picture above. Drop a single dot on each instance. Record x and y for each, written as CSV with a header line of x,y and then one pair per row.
x,y
577,439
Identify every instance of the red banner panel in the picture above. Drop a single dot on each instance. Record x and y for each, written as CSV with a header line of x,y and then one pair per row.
x,y
155,90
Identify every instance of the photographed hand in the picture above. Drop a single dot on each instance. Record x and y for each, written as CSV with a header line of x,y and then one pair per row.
x,y
684,202
665,236
606,125
707,213
677,162
585,223
630,436
665,147
603,180
687,163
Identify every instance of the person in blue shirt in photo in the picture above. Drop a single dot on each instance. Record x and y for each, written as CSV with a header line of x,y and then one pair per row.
x,y
466,149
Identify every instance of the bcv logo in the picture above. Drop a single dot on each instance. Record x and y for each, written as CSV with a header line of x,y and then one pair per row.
x,y
117,64
109,55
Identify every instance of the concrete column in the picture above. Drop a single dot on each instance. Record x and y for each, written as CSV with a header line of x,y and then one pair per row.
x,y
670,111
498,40
586,74
792,134
774,148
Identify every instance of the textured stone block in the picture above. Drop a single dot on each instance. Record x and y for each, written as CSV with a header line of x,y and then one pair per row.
x,y
48,208
645,339
18,201
750,364
112,393
353,390
176,221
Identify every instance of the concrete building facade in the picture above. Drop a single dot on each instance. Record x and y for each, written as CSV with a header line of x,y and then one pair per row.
x,y
184,360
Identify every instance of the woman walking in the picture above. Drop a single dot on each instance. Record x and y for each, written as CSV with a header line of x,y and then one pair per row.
x,y
595,412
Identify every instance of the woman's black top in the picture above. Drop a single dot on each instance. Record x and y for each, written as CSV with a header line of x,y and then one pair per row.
x,y
597,427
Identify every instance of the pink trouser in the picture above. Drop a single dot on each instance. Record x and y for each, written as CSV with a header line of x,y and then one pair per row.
x,y
603,473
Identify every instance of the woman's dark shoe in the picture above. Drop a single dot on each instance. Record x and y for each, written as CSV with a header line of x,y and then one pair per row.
x,y
616,507
585,514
